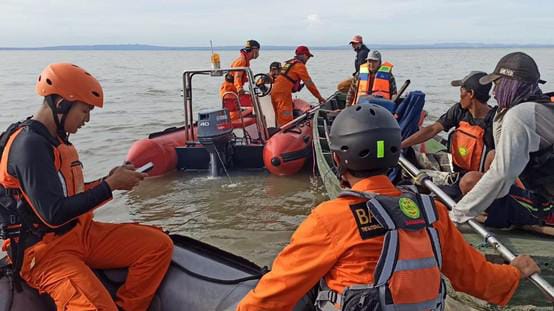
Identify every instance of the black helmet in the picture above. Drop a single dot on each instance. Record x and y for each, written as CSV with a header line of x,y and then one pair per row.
x,y
366,138
251,44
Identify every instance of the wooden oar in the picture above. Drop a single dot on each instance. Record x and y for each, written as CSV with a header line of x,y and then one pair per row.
x,y
401,91
536,279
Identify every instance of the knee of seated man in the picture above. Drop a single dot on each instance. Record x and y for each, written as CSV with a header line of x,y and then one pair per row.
x,y
469,180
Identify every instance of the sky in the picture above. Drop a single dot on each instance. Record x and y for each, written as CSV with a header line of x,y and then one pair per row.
x,y
38,23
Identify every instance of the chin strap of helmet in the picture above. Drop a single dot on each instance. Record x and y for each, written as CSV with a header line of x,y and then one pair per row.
x,y
63,109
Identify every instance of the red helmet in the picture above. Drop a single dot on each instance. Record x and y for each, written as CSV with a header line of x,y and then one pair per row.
x,y
71,82
303,50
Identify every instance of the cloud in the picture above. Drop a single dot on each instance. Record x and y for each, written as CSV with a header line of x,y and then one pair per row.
x,y
313,20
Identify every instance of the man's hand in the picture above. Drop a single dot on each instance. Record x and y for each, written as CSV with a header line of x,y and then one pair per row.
x,y
321,100
241,91
526,266
124,177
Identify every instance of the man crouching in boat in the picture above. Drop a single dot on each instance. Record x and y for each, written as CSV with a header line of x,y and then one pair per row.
x,y
377,247
61,241
524,134
472,138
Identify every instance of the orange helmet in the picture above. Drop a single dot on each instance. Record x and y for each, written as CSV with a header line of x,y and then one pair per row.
x,y
71,82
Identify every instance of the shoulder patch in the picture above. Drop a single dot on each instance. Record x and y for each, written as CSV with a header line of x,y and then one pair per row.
x,y
368,227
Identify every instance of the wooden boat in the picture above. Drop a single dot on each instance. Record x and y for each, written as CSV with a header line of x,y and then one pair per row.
x,y
527,297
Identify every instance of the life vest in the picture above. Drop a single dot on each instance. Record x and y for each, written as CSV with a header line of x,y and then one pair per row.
x,y
18,218
468,148
297,85
230,76
539,172
411,256
381,84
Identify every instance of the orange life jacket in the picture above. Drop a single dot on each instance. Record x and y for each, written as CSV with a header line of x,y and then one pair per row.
x,y
296,84
66,162
381,84
411,257
468,148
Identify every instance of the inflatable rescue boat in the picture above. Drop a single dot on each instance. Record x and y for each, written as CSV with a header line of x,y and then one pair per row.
x,y
235,135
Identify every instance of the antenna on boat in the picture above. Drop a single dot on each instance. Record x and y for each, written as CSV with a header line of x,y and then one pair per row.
x,y
215,59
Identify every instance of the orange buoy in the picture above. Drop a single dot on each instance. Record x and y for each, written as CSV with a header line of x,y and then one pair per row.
x,y
286,152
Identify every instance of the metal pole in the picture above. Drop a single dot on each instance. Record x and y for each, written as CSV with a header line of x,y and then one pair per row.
x,y
536,279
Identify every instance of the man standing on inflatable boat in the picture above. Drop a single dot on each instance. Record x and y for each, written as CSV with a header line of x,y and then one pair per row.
x,y
62,243
375,245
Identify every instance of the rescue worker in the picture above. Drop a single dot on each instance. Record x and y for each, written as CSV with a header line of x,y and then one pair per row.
x,y
374,78
274,70
376,234
234,81
472,119
523,131
361,50
41,168
293,73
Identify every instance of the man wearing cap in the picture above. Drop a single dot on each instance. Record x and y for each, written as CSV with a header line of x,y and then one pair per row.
x,y
293,72
375,78
472,119
361,50
523,131
234,81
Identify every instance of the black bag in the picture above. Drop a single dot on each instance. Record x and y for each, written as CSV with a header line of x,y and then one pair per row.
x,y
363,299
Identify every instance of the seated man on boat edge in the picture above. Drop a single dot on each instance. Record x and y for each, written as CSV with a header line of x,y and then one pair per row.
x,y
524,135
471,140
358,246
58,242
374,78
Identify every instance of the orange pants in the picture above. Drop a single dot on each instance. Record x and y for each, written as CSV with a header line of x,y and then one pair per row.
x,y
283,106
61,265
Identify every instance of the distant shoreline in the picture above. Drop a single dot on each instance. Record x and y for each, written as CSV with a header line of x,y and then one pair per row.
x,y
145,47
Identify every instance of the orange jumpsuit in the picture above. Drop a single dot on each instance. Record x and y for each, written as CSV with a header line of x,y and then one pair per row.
x,y
59,264
239,77
281,93
328,245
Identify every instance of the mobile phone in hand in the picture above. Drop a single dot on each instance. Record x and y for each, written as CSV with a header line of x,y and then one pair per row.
x,y
145,168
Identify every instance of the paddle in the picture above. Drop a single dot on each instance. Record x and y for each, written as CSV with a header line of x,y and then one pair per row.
x,y
401,91
422,178
302,117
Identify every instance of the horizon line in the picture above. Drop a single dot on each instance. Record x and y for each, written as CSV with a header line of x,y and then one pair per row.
x,y
140,46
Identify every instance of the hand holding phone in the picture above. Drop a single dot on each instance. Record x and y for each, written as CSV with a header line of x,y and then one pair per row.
x,y
145,168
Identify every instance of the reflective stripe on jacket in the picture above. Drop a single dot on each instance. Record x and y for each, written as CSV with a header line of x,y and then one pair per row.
x,y
411,256
380,86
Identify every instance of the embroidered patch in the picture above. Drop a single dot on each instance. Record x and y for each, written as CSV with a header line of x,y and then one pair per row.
x,y
368,227
409,208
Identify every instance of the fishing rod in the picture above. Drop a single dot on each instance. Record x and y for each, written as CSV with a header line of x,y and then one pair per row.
x,y
424,179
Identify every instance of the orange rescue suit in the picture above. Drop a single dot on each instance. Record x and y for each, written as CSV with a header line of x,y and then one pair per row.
x,y
239,78
328,245
281,93
60,263
468,148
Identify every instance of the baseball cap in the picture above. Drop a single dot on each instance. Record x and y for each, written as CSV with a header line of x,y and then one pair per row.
x,y
517,65
357,39
252,44
275,65
472,82
303,50
374,55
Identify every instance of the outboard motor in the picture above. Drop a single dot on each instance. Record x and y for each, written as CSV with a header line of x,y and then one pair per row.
x,y
215,132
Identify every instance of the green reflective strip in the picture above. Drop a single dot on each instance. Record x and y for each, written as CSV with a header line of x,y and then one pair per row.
x,y
385,69
380,149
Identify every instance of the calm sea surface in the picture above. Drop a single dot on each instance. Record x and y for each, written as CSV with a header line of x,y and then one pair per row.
x,y
251,214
